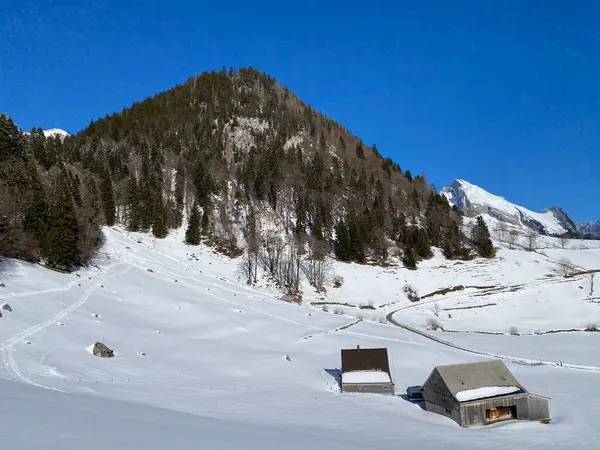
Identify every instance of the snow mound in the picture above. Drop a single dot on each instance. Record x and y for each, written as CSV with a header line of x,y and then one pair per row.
x,y
485,392
365,376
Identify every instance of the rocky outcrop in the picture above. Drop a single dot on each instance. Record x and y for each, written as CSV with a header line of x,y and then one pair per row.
x,y
102,350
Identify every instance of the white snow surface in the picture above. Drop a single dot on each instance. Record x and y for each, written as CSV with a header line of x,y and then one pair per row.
x,y
465,196
365,376
485,392
200,357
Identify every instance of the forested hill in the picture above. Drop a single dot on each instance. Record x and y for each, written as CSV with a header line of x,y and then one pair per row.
x,y
238,153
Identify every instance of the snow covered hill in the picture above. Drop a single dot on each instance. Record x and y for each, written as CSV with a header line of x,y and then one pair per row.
x,y
474,201
53,132
203,360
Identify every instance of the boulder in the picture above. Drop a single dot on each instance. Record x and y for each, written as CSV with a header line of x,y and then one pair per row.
x,y
6,307
292,297
102,350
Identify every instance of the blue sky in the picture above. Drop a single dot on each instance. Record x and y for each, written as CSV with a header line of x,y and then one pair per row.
x,y
501,93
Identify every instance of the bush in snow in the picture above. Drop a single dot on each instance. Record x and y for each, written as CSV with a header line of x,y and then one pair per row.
x,y
339,311
565,267
434,324
411,293
338,281
436,309
514,331
592,327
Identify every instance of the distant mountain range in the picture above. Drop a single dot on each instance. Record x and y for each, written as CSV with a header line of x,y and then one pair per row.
x,y
589,228
472,201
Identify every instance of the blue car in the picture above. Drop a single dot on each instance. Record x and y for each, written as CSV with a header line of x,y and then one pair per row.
x,y
414,394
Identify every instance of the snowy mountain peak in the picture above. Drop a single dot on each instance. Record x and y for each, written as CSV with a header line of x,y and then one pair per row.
x,y
52,132
472,200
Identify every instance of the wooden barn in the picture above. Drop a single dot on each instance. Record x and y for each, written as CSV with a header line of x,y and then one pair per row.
x,y
366,370
481,393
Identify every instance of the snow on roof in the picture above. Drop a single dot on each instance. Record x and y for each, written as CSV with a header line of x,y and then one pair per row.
x,y
365,376
472,376
485,392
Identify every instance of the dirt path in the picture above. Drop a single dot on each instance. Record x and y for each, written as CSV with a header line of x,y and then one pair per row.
x,y
514,359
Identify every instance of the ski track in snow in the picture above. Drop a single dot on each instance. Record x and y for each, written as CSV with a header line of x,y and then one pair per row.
x,y
6,347
183,275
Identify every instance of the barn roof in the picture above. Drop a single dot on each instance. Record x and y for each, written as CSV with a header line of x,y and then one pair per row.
x,y
365,359
465,377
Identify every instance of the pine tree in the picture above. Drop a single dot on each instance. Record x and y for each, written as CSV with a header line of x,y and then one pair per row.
x,y
408,259
133,199
480,235
108,198
205,223
159,224
342,242
192,234
36,207
60,246
360,151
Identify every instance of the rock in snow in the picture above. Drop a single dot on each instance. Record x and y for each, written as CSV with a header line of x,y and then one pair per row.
x,y
102,350
6,307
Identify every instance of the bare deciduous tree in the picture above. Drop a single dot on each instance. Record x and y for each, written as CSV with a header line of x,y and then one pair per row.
x,y
318,267
565,267
564,240
512,238
249,267
502,231
531,238
271,253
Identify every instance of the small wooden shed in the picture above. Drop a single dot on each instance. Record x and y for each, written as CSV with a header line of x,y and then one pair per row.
x,y
481,393
366,370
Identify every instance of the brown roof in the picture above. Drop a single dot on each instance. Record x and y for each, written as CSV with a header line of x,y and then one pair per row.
x,y
365,359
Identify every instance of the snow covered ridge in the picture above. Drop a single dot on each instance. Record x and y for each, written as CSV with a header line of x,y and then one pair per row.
x,y
52,132
473,201
485,392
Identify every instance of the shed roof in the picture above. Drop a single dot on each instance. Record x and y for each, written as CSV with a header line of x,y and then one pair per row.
x,y
365,359
464,377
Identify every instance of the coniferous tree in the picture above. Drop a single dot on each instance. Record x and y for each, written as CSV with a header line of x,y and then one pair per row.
x,y
159,224
60,245
35,205
480,235
408,259
360,151
205,224
192,234
342,242
108,198
133,200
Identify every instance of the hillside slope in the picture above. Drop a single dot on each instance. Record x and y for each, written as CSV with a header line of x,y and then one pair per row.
x,y
191,337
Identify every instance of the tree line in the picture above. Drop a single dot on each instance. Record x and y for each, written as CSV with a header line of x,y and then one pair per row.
x,y
226,153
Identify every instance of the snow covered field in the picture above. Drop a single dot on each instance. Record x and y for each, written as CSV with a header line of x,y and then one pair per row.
x,y
204,361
